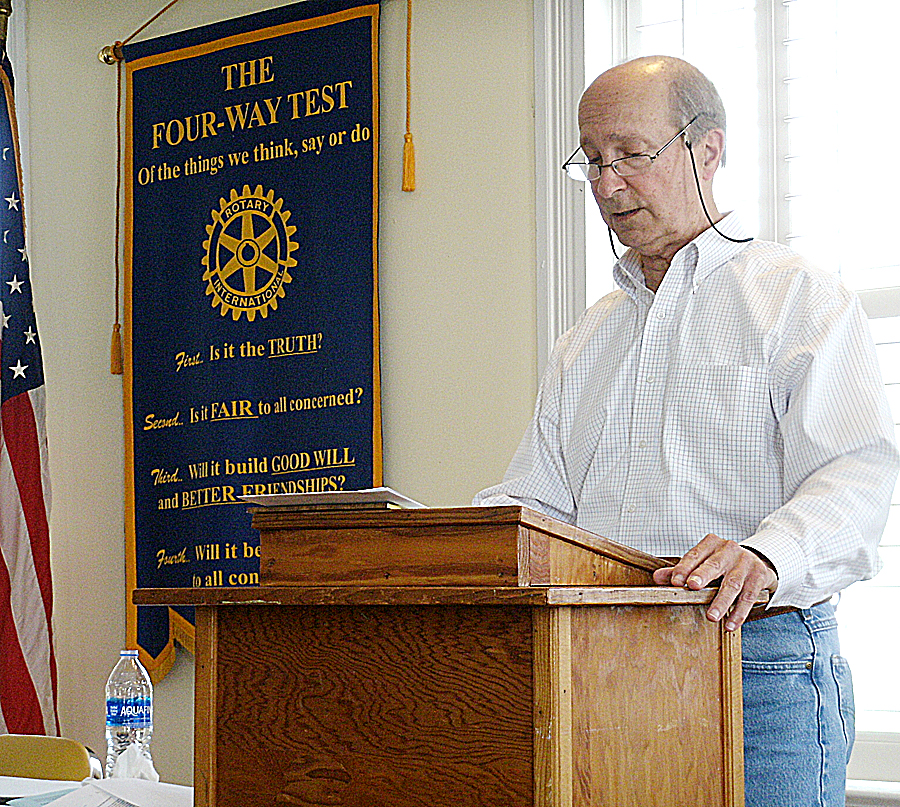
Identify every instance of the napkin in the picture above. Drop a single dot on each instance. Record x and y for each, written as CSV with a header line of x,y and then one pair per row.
x,y
132,763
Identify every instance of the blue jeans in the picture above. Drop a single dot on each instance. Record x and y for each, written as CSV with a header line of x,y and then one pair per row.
x,y
798,710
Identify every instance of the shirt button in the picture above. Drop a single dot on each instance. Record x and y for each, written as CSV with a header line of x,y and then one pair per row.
x,y
631,508
642,444
650,379
660,314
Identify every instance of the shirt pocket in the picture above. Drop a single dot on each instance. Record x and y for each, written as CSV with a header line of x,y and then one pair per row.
x,y
719,420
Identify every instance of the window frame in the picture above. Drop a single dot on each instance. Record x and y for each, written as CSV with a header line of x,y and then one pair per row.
x,y
559,202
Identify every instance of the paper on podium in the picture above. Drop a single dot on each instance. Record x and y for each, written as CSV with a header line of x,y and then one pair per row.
x,y
126,793
381,495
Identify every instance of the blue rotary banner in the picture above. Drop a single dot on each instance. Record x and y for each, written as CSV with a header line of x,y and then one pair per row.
x,y
251,332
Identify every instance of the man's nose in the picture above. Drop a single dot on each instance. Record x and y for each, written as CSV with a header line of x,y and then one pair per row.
x,y
607,183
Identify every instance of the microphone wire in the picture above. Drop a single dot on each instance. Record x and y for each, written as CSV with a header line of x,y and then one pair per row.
x,y
703,204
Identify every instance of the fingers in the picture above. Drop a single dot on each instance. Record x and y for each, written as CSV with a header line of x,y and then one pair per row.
x,y
740,589
700,565
744,576
663,577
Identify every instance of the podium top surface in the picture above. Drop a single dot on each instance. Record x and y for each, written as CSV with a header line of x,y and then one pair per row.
x,y
458,546
266,519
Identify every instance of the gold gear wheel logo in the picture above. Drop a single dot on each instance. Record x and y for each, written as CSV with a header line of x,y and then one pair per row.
x,y
248,253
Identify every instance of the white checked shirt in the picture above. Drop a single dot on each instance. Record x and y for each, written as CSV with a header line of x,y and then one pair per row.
x,y
742,399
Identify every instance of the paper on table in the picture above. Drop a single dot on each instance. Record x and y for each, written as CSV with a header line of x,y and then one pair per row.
x,y
127,793
17,786
37,800
148,794
87,796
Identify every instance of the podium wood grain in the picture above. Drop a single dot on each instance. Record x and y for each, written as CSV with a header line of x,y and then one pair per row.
x,y
486,546
374,706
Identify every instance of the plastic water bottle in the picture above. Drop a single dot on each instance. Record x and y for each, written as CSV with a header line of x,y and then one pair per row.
x,y
129,708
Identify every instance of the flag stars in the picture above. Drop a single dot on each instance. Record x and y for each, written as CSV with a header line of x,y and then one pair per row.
x,y
13,201
5,320
30,334
15,285
22,251
19,369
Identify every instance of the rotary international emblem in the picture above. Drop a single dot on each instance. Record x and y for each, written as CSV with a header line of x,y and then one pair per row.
x,y
248,253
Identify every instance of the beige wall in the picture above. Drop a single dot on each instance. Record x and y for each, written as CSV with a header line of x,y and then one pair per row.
x,y
457,293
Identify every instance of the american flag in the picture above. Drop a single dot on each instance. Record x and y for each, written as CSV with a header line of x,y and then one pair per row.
x,y
27,660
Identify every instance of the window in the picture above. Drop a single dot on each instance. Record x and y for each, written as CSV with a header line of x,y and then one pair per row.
x,y
810,163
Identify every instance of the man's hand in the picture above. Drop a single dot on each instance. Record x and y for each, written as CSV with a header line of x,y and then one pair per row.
x,y
744,575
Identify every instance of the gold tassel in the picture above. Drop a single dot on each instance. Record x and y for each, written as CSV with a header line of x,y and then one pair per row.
x,y
115,360
409,163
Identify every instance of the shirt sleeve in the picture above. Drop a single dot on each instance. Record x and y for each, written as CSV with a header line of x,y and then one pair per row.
x,y
840,457
536,477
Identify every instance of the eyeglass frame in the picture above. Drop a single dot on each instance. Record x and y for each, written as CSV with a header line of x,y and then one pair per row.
x,y
613,163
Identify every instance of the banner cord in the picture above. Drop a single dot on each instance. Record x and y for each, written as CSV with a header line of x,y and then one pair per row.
x,y
409,153
112,54
115,361
154,17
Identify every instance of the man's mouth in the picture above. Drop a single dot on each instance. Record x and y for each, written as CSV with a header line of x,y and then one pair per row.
x,y
624,215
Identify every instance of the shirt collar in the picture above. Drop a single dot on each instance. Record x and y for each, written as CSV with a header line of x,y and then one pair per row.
x,y
706,253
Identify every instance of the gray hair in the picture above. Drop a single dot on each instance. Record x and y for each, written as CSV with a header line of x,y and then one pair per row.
x,y
692,94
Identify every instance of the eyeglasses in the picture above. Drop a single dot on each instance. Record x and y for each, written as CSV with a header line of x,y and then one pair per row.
x,y
631,166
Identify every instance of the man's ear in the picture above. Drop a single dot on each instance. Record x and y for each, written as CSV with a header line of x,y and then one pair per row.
x,y
709,152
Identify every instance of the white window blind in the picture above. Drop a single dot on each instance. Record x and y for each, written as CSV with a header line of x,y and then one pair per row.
x,y
869,611
841,203
808,86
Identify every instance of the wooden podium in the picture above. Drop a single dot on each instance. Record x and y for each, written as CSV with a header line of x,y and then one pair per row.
x,y
466,657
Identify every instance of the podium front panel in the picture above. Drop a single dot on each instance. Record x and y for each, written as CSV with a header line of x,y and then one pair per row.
x,y
459,703
653,708
367,707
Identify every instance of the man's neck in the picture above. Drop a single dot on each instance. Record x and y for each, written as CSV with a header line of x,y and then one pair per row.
x,y
655,267
654,270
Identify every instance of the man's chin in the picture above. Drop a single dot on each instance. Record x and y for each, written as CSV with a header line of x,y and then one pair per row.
x,y
627,236
625,225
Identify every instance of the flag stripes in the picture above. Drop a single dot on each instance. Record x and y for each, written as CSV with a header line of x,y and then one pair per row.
x,y
28,679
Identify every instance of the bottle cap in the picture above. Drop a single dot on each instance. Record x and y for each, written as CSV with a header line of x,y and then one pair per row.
x,y
129,653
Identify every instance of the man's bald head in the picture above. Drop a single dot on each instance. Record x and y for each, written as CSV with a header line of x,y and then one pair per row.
x,y
690,93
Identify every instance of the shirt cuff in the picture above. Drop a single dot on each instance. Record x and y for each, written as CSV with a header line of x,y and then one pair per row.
x,y
787,559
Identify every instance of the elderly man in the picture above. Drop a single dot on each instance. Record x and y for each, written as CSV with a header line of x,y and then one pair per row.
x,y
725,407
